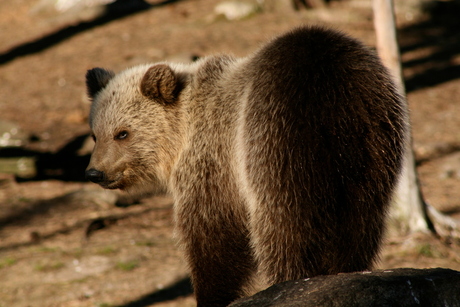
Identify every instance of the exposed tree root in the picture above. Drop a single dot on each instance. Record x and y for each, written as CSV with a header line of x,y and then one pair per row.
x,y
446,228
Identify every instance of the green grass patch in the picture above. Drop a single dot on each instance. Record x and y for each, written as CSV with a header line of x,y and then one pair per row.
x,y
108,250
147,243
47,249
127,265
426,250
48,267
7,262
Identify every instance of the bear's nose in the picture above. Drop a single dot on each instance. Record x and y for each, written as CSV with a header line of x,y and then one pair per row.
x,y
94,175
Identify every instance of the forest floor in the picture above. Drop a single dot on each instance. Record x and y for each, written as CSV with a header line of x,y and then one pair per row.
x,y
64,242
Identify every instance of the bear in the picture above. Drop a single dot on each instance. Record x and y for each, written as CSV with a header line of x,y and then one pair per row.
x,y
281,164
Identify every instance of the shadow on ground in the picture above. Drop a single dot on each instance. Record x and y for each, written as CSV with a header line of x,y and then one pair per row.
x,y
66,164
435,45
116,10
181,288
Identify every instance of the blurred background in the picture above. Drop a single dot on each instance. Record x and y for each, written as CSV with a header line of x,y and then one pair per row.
x,y
66,242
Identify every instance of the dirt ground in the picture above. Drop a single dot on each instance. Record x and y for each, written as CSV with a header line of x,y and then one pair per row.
x,y
65,242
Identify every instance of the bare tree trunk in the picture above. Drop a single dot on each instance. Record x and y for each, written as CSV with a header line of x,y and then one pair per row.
x,y
409,212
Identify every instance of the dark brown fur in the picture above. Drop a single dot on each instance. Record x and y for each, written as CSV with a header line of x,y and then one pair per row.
x,y
283,162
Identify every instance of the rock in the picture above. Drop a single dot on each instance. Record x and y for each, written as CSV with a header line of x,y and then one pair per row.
x,y
397,287
23,167
236,10
11,135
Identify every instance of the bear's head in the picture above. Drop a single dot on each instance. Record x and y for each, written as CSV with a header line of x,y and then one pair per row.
x,y
136,121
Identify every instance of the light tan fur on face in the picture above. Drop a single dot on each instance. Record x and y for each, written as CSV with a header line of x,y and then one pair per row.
x,y
141,162
281,163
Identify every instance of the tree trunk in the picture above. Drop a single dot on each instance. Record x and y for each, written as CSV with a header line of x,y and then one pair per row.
x,y
409,212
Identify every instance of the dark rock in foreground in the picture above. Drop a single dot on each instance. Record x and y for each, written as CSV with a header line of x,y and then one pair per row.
x,y
397,287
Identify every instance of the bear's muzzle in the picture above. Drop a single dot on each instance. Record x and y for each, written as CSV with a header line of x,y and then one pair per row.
x,y
94,175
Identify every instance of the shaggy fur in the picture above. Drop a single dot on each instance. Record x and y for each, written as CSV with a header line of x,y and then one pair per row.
x,y
283,162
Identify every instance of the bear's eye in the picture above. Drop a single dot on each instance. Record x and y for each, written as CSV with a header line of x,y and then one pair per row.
x,y
121,135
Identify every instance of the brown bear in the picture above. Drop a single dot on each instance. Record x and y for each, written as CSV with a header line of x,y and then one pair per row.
x,y
282,163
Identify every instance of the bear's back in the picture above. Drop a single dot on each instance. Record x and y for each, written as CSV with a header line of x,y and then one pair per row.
x,y
324,132
323,95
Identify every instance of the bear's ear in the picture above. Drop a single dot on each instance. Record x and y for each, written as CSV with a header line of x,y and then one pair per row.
x,y
160,83
96,80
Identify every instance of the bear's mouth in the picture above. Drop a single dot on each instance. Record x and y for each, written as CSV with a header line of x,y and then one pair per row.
x,y
118,183
109,185
112,186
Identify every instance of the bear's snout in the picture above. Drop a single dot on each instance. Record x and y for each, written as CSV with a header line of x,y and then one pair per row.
x,y
94,175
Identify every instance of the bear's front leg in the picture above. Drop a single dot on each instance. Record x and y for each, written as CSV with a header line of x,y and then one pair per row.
x,y
216,245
